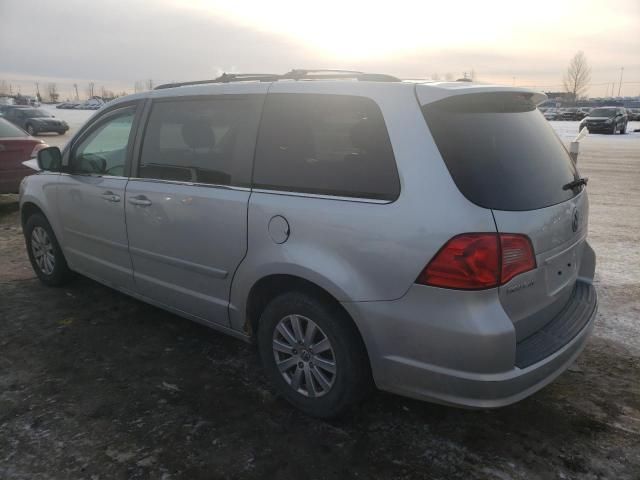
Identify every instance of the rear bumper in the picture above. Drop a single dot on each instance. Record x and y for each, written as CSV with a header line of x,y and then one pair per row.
x,y
467,355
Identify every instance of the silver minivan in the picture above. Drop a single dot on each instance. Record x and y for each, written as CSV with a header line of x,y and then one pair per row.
x,y
428,239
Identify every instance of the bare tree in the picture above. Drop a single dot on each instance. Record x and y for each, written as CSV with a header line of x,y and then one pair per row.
x,y
150,84
52,89
75,87
90,89
576,79
448,77
138,86
435,77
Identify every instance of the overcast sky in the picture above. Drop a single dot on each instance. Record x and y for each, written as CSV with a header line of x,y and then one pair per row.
x,y
116,42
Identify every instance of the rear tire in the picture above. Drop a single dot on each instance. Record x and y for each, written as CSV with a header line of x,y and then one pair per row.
x,y
624,129
340,376
44,252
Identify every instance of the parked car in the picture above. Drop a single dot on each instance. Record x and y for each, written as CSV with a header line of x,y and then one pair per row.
x,y
573,113
307,217
606,119
633,114
27,101
552,114
4,109
91,104
16,146
36,120
67,105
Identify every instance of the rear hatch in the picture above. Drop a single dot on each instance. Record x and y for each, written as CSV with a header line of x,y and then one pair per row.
x,y
504,156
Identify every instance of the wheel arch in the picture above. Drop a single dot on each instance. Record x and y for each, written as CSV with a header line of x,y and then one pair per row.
x,y
270,286
29,208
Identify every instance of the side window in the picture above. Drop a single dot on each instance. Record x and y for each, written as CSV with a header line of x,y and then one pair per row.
x,y
104,150
208,140
325,144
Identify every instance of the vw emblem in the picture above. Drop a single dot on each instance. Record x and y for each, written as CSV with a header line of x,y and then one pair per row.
x,y
576,220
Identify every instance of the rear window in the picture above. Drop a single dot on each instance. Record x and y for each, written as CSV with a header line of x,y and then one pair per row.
x,y
603,112
325,144
10,130
500,150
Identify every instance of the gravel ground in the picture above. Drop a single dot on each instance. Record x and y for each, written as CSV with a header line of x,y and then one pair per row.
x,y
95,385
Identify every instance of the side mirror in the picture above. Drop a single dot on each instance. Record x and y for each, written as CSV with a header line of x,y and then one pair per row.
x,y
50,159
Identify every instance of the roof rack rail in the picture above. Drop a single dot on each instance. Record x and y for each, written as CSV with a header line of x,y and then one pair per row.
x,y
225,78
295,74
320,74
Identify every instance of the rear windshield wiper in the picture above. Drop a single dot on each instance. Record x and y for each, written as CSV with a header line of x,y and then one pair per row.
x,y
575,183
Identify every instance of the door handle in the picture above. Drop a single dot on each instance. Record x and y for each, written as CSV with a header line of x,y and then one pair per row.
x,y
140,200
110,196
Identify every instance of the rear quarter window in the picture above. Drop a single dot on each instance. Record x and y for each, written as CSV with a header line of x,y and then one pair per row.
x,y
325,144
501,152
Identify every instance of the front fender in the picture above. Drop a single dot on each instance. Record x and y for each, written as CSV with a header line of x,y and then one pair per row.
x,y
41,191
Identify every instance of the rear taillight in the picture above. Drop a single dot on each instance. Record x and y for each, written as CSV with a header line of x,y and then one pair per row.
x,y
517,256
37,147
475,261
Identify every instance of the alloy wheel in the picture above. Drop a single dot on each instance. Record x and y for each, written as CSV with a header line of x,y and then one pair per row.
x,y
42,249
304,356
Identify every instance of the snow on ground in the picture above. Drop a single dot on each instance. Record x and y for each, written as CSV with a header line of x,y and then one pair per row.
x,y
612,163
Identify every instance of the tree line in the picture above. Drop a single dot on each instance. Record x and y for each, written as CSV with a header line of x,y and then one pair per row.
x,y
49,92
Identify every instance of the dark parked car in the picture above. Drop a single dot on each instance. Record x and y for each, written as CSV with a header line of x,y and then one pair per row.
x,y
606,120
573,113
36,120
16,146
67,105
4,109
633,114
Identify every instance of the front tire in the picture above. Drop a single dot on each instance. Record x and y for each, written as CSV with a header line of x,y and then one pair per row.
x,y
31,130
624,129
44,252
313,354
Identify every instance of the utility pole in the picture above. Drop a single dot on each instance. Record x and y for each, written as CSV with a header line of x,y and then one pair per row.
x,y
620,84
37,89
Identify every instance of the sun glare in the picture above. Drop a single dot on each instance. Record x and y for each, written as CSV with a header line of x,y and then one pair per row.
x,y
364,29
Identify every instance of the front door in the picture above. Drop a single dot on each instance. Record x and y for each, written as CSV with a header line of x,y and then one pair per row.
x,y
186,210
91,199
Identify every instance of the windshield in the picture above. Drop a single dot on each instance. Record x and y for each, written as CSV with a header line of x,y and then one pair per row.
x,y
501,152
603,112
10,130
35,113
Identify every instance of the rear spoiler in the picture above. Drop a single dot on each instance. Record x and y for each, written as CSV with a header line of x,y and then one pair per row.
x,y
432,92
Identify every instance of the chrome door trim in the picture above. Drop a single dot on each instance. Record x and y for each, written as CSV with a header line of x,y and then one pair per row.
x,y
177,262
324,197
191,184
116,177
